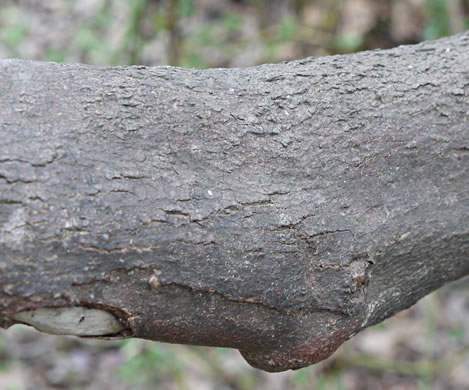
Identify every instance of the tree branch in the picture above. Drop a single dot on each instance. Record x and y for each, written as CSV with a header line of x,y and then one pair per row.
x,y
278,209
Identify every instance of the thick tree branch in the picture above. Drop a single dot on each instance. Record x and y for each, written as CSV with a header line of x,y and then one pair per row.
x,y
278,209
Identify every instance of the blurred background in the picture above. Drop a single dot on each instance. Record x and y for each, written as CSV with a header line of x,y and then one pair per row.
x,y
217,33
425,347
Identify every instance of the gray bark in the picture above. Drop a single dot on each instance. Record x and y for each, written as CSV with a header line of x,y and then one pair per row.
x,y
278,209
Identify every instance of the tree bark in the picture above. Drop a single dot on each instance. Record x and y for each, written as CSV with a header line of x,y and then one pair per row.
x,y
278,209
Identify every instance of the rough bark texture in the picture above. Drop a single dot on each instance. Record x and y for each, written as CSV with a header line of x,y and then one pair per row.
x,y
278,209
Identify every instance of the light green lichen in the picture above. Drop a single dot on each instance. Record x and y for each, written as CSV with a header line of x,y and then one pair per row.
x,y
76,321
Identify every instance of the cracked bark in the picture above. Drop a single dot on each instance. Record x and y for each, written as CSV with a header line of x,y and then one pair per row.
x,y
278,210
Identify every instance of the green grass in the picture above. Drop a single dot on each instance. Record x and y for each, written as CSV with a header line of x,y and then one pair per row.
x,y
14,29
146,363
438,24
